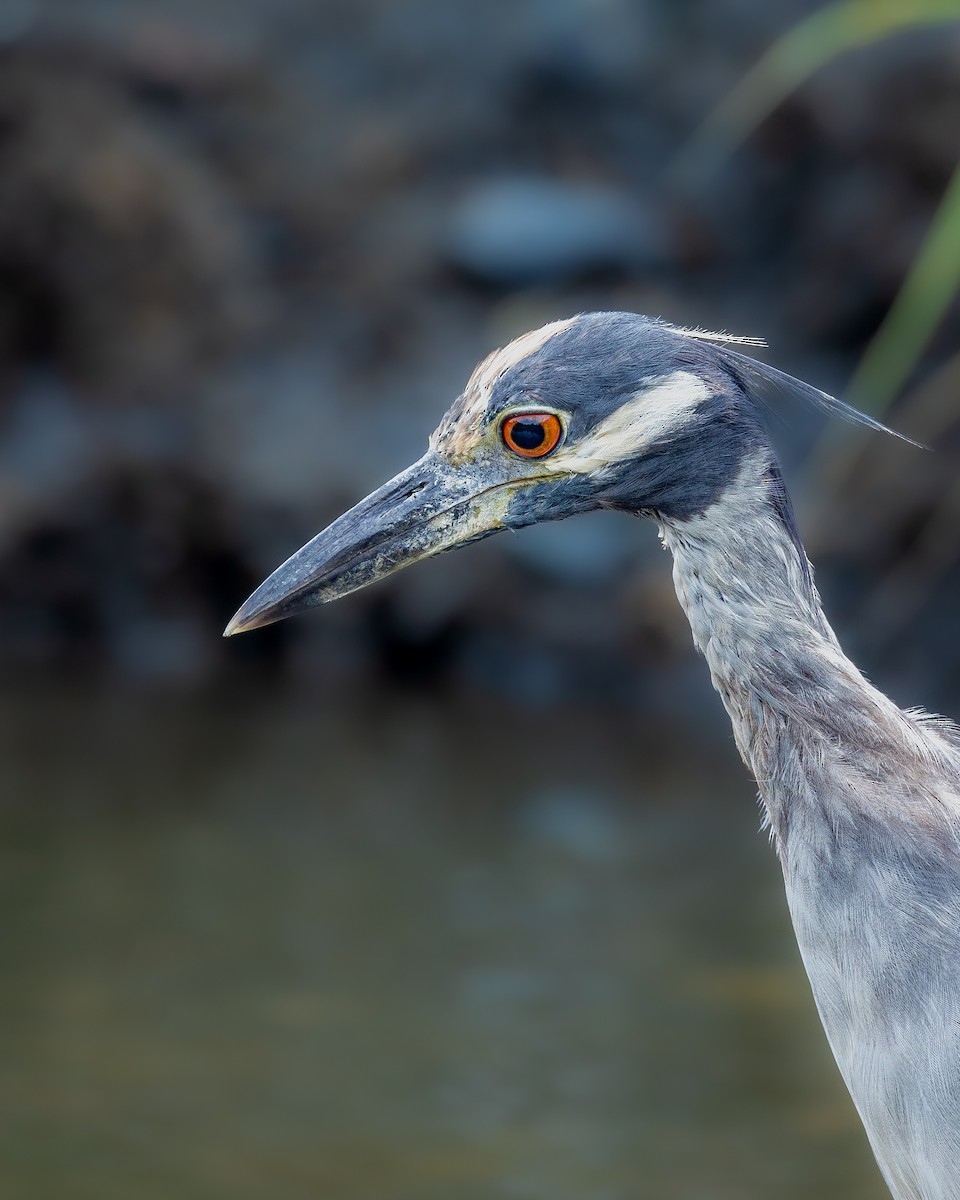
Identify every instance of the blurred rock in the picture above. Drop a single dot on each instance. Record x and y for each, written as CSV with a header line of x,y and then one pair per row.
x,y
122,254
54,444
526,231
580,46
265,428
48,445
131,574
225,313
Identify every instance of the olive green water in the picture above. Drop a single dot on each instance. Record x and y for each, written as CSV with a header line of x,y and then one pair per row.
x,y
397,952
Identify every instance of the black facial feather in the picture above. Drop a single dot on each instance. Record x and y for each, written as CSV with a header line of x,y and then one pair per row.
x,y
685,474
599,362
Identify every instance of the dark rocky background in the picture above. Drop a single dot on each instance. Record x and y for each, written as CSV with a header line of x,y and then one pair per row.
x,y
249,251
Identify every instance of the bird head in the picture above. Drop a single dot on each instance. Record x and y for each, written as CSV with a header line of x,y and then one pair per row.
x,y
604,410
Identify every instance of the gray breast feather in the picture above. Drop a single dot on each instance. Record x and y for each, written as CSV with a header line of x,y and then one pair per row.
x,y
877,918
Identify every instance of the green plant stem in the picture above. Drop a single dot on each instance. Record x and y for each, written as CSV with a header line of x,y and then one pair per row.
x,y
926,293
830,31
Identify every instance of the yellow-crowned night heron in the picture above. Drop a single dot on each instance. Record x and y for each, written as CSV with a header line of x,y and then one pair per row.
x,y
613,410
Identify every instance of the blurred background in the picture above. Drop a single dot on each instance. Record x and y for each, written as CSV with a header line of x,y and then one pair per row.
x,y
453,889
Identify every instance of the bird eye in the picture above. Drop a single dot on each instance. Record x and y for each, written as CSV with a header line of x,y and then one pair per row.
x,y
532,434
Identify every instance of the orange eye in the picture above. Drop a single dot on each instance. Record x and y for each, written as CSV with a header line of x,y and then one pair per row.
x,y
532,434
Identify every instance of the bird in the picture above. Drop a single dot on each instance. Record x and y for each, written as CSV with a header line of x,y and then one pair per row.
x,y
615,410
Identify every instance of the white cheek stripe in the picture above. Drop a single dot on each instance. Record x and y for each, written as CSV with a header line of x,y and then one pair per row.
x,y
645,418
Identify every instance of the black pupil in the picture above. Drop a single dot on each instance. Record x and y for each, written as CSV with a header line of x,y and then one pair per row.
x,y
528,435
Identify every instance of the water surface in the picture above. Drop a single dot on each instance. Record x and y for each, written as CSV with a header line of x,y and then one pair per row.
x,y
397,951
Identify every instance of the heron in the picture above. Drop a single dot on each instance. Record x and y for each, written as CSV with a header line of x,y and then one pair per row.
x,y
861,798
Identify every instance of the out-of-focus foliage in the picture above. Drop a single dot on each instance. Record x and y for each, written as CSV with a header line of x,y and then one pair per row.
x,y
914,315
793,58
934,276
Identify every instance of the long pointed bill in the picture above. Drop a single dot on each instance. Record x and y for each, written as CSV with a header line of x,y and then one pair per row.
x,y
429,508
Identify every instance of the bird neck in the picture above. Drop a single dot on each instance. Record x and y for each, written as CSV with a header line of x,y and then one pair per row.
x,y
744,580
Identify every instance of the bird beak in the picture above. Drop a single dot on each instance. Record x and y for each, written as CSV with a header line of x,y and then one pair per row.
x,y
429,508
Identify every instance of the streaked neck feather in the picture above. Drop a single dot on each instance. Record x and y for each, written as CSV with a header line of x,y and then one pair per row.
x,y
806,721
